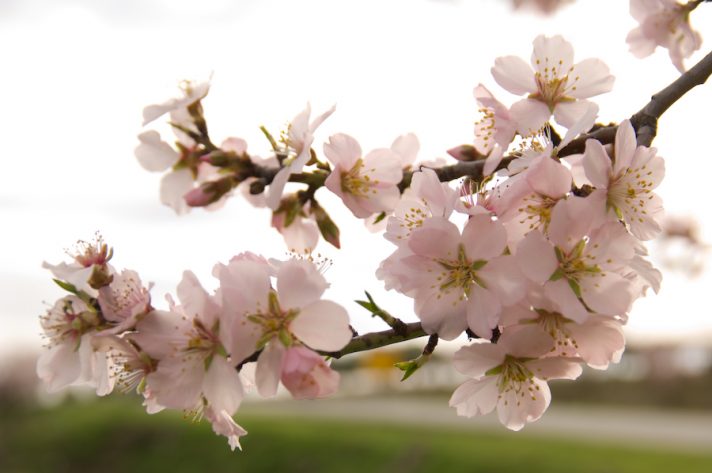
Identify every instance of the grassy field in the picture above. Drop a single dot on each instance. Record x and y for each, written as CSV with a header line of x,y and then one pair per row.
x,y
114,435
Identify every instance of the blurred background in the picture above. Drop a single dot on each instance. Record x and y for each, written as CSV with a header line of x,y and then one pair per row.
x,y
76,76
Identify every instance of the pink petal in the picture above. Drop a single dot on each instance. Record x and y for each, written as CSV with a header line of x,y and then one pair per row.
x,y
549,178
552,56
299,284
154,154
569,114
174,186
343,151
526,341
437,238
475,397
597,164
222,387
569,305
555,368
407,147
483,309
590,77
624,146
322,325
483,238
515,411
536,257
514,75
607,293
476,359
530,116
600,340
269,368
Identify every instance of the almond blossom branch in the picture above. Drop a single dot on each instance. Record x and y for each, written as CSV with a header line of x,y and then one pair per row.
x,y
374,340
645,121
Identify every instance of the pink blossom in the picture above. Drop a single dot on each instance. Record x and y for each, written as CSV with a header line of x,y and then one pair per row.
x,y
275,319
459,280
527,202
599,340
367,184
629,181
297,149
70,357
190,343
90,269
302,234
555,87
425,198
664,23
123,301
306,375
510,376
579,267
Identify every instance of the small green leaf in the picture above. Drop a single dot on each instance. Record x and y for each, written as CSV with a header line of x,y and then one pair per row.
x,y
380,217
66,286
574,285
556,275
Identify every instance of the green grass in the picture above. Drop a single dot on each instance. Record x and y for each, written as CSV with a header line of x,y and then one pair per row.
x,y
113,435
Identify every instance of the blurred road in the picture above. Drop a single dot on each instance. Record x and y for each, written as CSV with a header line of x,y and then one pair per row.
x,y
674,430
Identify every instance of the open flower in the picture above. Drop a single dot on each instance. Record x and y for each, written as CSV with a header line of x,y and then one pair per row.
x,y
367,184
457,280
664,23
510,376
629,181
274,320
555,87
297,144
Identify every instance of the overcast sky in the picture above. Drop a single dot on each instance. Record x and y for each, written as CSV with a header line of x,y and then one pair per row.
x,y
76,75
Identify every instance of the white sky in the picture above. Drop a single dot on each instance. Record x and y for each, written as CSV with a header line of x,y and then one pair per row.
x,y
76,75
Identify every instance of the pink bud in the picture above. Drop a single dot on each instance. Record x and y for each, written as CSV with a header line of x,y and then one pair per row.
x,y
306,375
465,153
198,197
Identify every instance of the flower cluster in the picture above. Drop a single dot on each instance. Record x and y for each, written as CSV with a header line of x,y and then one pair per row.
x,y
538,254
188,357
549,263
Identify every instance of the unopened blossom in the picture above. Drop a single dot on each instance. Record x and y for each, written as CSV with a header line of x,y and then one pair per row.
x,y
296,143
664,23
628,178
579,266
273,319
459,280
306,375
368,184
510,376
90,267
495,125
556,86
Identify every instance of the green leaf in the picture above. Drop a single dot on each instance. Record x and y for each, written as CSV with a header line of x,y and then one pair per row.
x,y
66,286
574,285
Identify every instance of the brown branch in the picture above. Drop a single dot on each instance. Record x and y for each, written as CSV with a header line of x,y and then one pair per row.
x,y
645,121
373,340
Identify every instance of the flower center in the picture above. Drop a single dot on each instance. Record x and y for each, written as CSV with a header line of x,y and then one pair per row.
x,y
274,322
460,274
357,182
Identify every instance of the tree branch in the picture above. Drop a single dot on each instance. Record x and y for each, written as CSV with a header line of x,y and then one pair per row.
x,y
373,340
